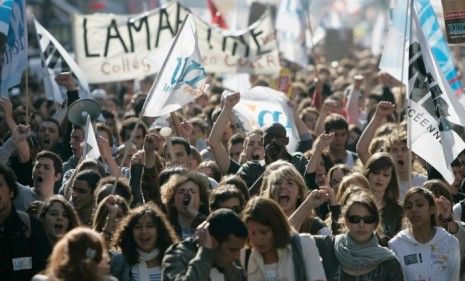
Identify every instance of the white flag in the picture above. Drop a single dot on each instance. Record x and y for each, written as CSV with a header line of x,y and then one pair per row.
x,y
290,31
262,106
435,117
90,145
393,52
13,43
55,59
181,78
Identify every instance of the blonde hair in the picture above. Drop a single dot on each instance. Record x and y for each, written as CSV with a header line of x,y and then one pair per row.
x,y
356,179
286,172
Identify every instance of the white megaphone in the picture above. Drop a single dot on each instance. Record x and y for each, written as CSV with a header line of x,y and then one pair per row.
x,y
78,111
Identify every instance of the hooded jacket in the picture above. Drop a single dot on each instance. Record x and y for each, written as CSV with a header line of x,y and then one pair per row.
x,y
438,259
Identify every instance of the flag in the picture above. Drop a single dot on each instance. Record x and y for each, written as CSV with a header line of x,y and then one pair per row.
x,y
13,43
391,59
290,31
438,44
217,18
181,78
394,54
434,114
55,59
263,106
90,145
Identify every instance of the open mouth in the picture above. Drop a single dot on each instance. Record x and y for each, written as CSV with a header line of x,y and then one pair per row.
x,y
400,162
186,200
46,142
283,199
59,228
39,179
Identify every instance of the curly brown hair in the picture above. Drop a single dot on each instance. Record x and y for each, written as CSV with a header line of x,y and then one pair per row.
x,y
124,238
169,190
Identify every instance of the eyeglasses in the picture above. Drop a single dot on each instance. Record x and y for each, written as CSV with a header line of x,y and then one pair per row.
x,y
358,219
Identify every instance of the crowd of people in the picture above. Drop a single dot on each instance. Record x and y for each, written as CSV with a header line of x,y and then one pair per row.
x,y
214,202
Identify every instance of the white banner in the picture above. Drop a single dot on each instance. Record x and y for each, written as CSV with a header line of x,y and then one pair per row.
x,y
263,106
121,47
290,30
435,117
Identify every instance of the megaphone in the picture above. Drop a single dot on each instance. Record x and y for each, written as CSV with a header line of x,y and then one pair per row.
x,y
78,111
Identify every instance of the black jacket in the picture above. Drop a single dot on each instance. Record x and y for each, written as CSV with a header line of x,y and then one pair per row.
x,y
21,257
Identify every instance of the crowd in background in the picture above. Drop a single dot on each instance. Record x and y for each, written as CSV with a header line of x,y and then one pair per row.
x,y
214,202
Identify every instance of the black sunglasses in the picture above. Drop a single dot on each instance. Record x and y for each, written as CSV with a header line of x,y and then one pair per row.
x,y
366,219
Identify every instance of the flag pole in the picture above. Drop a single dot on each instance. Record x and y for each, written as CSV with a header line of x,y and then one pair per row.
x,y
27,96
403,88
141,114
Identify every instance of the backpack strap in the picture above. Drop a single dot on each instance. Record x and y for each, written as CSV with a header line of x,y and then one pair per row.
x,y
27,221
298,258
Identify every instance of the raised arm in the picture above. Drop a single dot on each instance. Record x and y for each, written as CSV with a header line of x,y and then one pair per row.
x,y
313,200
19,135
329,106
352,107
214,139
149,184
322,142
305,135
383,109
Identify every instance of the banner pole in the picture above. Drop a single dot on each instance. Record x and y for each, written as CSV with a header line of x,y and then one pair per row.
x,y
404,89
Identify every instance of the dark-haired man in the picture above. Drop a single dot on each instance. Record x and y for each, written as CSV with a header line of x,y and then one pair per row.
x,y
48,169
24,246
213,255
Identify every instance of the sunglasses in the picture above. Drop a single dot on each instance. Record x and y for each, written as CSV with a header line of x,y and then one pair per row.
x,y
366,219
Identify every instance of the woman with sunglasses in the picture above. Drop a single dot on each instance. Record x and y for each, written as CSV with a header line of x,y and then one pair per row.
x,y
356,254
425,251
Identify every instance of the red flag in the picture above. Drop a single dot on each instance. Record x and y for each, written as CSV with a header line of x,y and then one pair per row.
x,y
216,15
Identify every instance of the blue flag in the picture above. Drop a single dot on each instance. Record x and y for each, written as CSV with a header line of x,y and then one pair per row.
x,y
13,43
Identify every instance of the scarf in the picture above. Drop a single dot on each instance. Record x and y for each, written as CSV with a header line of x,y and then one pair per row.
x,y
141,266
356,256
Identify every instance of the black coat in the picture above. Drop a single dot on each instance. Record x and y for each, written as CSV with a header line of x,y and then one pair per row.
x,y
22,257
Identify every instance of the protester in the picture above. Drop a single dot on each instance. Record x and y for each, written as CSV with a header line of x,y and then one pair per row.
x,y
82,195
24,245
276,250
46,173
112,209
212,255
59,217
227,196
141,241
424,250
380,172
79,255
287,187
186,201
355,254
